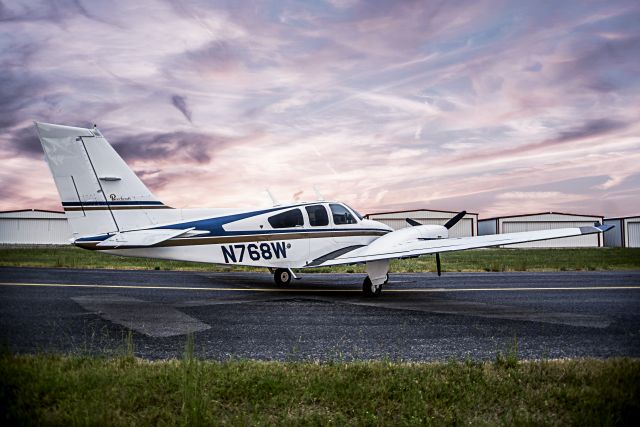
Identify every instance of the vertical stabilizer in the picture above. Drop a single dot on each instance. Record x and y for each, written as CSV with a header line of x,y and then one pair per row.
x,y
99,192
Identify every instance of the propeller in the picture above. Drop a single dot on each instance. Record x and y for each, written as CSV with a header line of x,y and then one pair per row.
x,y
453,221
412,222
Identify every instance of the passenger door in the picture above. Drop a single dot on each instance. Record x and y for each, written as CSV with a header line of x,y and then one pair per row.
x,y
291,231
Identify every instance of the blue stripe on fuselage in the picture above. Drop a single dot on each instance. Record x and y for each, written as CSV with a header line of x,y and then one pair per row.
x,y
212,225
215,225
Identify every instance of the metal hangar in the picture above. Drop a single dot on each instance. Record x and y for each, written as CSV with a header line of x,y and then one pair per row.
x,y
34,227
625,234
544,221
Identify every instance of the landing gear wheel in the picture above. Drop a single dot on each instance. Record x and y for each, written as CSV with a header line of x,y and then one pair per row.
x,y
282,276
370,290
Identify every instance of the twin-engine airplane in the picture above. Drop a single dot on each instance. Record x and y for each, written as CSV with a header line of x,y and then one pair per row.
x,y
110,210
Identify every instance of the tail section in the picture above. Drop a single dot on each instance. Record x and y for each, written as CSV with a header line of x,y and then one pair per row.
x,y
99,192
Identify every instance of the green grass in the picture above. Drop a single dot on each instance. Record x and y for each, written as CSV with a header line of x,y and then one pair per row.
x,y
59,390
474,260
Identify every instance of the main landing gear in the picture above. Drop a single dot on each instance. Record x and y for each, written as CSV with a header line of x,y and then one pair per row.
x,y
282,276
371,290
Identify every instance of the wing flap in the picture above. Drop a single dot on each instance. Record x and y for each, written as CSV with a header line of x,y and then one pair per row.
x,y
416,247
141,238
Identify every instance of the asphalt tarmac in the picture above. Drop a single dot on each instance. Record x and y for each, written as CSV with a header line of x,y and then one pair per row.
x,y
418,317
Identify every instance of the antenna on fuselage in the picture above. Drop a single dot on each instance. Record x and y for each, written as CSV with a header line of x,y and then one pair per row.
x,y
318,193
95,130
273,199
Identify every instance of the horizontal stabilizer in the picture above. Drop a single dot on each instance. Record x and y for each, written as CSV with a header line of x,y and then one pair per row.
x,y
141,238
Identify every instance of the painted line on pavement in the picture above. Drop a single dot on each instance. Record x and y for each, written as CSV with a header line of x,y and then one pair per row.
x,y
425,290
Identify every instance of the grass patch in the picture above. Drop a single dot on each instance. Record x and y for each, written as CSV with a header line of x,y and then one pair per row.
x,y
474,260
58,390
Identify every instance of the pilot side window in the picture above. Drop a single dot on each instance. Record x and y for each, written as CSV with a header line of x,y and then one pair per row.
x,y
292,218
341,215
317,215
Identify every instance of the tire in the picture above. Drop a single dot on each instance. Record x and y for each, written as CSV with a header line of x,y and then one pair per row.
x,y
282,277
367,288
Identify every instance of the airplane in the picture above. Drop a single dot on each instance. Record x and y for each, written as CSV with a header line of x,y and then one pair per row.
x,y
110,210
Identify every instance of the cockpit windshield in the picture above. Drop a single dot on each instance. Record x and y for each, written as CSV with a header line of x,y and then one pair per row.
x,y
355,212
341,215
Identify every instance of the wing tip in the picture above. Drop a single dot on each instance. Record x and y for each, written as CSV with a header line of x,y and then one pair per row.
x,y
598,228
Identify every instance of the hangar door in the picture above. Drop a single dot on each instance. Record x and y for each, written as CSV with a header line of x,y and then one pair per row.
x,y
634,234
566,242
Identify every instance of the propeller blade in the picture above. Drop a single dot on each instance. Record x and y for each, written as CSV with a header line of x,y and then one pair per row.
x,y
438,268
453,221
412,222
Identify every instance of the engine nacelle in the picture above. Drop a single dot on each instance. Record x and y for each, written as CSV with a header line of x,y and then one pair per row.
x,y
410,234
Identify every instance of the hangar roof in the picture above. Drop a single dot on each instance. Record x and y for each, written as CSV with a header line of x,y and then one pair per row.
x,y
417,210
539,213
32,214
623,217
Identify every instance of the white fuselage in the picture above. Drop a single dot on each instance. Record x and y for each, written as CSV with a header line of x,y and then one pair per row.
x,y
259,237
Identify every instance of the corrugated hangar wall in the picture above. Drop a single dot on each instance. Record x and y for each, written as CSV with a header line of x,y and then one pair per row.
x,y
468,226
544,221
34,227
625,234
634,234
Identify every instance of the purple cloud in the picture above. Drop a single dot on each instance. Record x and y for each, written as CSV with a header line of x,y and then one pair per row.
x,y
587,130
181,104
187,147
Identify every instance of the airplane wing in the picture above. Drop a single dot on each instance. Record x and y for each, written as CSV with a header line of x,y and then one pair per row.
x,y
413,247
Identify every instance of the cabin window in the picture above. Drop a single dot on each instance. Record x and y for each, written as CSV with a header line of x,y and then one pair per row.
x,y
287,219
341,215
317,215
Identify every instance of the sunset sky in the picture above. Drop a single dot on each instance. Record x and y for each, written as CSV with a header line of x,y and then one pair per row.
x,y
496,107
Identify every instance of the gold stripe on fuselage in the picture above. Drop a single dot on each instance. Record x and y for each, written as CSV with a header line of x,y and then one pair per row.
x,y
195,241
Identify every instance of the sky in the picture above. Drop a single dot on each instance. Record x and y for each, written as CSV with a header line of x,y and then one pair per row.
x,y
496,107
